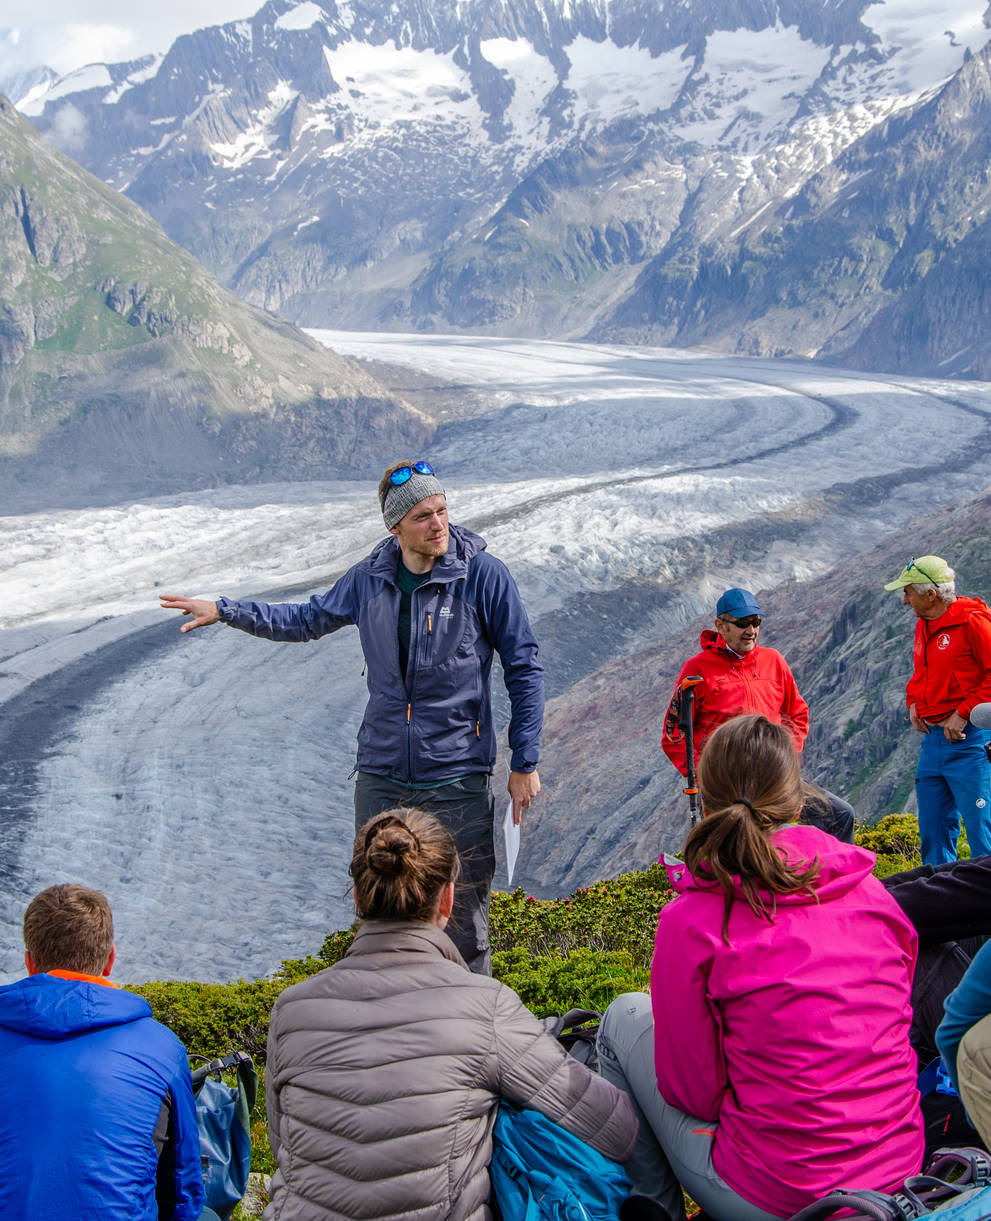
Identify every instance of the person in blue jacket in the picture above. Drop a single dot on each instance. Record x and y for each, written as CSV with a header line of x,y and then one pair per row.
x,y
97,1117
431,606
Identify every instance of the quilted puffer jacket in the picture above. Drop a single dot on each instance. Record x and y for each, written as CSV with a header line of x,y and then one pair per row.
x,y
383,1077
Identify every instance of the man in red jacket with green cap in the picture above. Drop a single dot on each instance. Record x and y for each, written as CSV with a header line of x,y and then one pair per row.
x,y
951,675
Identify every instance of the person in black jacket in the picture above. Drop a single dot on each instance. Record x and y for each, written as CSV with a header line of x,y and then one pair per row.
x,y
950,906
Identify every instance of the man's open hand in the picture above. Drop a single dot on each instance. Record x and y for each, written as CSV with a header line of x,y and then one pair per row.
x,y
203,612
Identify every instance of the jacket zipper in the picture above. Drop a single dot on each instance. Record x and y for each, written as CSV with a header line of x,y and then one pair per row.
x,y
412,658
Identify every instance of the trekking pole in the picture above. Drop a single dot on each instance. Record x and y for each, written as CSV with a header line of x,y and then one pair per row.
x,y
685,723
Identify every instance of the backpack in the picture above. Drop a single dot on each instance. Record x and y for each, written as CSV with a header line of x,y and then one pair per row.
x,y
223,1120
943,1114
540,1172
577,1032
966,1196
971,1206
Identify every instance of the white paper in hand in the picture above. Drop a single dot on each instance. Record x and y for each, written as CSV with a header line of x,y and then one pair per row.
x,y
511,833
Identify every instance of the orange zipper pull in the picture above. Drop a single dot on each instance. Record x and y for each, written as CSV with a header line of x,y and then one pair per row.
x,y
430,624
478,730
409,712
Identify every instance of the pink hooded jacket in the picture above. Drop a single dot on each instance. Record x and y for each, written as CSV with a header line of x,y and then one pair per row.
x,y
794,1037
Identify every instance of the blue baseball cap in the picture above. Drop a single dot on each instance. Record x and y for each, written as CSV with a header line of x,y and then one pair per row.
x,y
737,604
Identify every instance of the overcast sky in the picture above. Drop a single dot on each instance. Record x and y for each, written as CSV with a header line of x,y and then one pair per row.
x,y
65,34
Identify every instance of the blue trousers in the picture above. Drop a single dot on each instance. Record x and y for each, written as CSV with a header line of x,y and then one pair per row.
x,y
953,782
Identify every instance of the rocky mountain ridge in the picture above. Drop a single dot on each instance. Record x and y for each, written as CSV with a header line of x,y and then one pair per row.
x,y
125,369
878,261
626,170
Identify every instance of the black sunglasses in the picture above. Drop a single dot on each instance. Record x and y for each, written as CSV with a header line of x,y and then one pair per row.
x,y
404,474
750,621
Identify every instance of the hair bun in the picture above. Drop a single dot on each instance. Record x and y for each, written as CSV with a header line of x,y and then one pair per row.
x,y
390,847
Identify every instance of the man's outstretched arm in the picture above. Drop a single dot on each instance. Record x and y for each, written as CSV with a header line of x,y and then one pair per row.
x,y
203,612
292,621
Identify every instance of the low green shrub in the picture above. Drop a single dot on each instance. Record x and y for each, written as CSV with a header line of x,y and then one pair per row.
x,y
895,835
895,839
213,1019
555,983
616,915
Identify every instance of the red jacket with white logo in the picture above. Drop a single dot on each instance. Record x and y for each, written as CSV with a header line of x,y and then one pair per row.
x,y
759,681
952,661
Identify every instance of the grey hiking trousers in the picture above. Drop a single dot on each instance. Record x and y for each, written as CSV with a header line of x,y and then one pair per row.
x,y
673,1150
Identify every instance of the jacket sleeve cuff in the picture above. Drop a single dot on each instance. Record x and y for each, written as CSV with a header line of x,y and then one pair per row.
x,y
226,608
522,763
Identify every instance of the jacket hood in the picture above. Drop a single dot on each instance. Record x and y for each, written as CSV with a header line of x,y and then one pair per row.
x,y
842,867
712,641
46,1007
959,611
462,545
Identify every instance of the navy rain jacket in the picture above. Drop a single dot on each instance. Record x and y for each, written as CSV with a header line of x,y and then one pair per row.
x,y
84,1069
436,721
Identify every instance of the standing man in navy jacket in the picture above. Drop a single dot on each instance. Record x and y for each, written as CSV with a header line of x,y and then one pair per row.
x,y
97,1117
431,606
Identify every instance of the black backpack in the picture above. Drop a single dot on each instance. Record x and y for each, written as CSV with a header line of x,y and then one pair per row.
x,y
577,1031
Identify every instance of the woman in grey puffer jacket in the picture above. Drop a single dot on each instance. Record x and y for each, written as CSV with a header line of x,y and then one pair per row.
x,y
384,1071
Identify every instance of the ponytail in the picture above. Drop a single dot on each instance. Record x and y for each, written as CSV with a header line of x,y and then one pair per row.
x,y
750,783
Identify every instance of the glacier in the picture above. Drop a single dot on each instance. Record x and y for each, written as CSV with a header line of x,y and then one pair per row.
x,y
203,781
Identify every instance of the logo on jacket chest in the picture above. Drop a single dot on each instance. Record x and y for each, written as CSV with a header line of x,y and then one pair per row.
x,y
942,641
445,612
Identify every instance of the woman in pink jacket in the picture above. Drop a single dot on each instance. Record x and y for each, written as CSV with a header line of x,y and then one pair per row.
x,y
771,1061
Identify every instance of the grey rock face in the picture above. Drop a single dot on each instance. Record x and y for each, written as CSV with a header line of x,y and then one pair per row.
x,y
125,369
878,261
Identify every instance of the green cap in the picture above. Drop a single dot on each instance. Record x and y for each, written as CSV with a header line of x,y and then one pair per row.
x,y
926,570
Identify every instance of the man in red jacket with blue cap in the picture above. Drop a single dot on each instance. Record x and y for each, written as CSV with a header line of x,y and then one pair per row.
x,y
951,675
738,676
741,676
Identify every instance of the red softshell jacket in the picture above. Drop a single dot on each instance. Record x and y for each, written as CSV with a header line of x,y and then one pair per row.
x,y
760,681
952,661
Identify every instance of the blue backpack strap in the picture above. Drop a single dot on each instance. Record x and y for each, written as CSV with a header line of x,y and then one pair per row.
x,y
511,1184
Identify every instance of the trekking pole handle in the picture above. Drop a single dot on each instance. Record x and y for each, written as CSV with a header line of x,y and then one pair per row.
x,y
687,689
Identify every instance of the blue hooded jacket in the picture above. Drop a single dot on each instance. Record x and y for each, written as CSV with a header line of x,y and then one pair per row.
x,y
435,721
84,1070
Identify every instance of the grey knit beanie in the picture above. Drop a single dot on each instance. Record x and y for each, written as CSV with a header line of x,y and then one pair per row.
x,y
398,501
